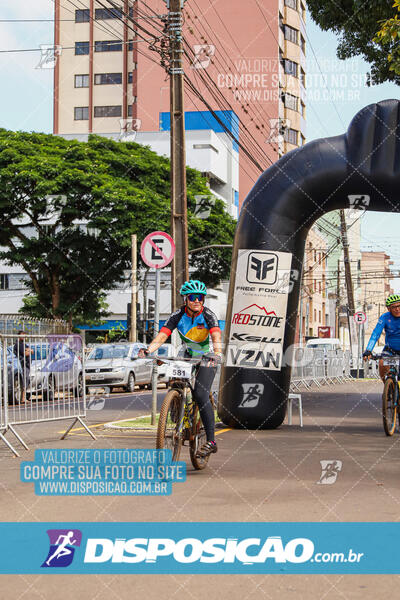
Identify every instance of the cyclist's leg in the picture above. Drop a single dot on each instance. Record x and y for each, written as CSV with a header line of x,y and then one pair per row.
x,y
384,369
201,394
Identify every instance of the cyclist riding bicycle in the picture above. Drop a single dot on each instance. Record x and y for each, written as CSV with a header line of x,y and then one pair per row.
x,y
390,322
195,324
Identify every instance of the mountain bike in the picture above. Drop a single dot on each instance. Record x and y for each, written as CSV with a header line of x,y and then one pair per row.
x,y
390,396
179,419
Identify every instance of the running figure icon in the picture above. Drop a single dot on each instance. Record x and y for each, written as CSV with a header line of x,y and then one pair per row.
x,y
63,543
62,549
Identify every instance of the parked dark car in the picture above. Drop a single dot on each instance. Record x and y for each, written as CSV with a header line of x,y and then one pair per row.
x,y
14,376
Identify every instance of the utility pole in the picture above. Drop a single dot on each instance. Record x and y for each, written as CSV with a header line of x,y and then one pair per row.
x,y
347,271
337,300
133,329
179,226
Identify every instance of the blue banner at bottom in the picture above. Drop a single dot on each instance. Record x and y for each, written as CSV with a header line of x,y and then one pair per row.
x,y
201,548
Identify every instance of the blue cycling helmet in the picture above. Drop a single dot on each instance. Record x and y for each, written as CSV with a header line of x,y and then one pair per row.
x,y
193,287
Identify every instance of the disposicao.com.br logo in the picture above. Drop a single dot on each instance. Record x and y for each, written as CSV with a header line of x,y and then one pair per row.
x,y
247,551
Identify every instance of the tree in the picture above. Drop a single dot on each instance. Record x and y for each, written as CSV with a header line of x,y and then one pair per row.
x,y
389,34
357,24
68,209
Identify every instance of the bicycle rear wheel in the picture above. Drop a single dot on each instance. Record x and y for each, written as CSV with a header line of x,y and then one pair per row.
x,y
169,430
389,408
199,438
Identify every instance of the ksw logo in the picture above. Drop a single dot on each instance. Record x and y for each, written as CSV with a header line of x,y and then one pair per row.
x,y
252,393
62,547
262,267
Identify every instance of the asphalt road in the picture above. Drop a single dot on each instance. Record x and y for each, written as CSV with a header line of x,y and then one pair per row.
x,y
255,476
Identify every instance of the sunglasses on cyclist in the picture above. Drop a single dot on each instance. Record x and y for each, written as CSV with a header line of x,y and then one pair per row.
x,y
194,297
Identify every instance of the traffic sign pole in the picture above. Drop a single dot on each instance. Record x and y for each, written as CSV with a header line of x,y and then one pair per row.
x,y
157,251
154,375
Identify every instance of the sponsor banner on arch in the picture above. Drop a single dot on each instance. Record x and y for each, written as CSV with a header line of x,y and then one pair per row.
x,y
263,283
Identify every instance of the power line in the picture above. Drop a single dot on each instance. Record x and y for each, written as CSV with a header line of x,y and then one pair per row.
x,y
226,56
250,138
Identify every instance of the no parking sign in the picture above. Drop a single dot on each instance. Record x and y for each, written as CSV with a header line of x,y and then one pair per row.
x,y
157,249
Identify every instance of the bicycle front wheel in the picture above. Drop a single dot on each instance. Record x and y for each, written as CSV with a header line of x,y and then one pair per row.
x,y
198,439
389,406
169,430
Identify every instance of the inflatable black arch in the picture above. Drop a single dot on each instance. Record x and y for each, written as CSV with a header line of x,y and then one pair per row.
x,y
276,216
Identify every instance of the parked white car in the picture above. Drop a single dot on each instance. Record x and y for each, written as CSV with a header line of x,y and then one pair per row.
x,y
167,351
118,365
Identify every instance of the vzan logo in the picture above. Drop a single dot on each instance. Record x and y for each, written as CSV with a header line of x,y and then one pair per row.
x,y
262,267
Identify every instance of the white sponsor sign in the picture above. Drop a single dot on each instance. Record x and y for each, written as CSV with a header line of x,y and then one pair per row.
x,y
262,286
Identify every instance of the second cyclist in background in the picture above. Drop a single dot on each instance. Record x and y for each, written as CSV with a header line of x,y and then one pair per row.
x,y
196,324
390,323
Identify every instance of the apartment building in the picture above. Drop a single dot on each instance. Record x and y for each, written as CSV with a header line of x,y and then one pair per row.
x,y
375,284
246,61
313,311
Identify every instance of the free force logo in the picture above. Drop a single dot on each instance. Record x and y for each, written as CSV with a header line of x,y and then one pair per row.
x,y
252,393
262,267
62,547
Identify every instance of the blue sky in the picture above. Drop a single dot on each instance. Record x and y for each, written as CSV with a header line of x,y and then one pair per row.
x,y
26,101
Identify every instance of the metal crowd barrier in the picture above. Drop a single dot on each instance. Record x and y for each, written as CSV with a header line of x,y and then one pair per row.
x,y
313,366
42,379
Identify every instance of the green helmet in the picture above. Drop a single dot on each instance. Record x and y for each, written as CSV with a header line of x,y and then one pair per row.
x,y
392,299
193,287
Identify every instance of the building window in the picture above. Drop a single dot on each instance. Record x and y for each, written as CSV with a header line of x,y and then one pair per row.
x,y
107,46
291,101
82,16
302,77
81,113
130,106
108,111
302,44
302,109
303,139
291,136
291,4
81,81
291,34
290,67
130,77
3,282
319,314
107,13
130,44
81,47
107,78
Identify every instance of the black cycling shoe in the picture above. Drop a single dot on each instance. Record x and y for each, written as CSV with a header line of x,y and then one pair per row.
x,y
207,449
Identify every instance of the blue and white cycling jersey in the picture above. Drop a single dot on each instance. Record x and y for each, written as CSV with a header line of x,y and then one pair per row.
x,y
391,325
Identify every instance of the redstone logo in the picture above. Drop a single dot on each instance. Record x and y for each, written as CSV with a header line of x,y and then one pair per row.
x,y
246,316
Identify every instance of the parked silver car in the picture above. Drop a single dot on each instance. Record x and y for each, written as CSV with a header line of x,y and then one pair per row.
x,y
118,365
